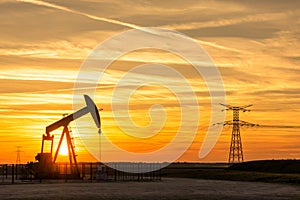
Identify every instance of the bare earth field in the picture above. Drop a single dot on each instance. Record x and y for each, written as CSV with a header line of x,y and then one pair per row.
x,y
169,188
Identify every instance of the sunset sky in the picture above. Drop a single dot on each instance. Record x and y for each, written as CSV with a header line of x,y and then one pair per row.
x,y
254,44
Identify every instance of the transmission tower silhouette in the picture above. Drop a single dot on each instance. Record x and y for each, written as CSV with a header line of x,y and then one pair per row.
x,y
18,160
236,147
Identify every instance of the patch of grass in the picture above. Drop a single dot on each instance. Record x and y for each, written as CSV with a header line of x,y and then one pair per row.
x,y
224,173
274,166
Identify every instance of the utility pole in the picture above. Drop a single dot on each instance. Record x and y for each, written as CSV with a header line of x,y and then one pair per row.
x,y
236,148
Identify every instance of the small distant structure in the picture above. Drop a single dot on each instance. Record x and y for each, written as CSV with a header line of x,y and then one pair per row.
x,y
18,160
236,148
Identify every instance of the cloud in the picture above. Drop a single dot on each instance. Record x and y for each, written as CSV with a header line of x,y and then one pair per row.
x,y
17,85
261,17
254,45
129,25
51,5
264,5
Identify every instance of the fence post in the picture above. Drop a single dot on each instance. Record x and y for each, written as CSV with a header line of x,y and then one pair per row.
x,y
91,171
82,171
2,173
12,173
160,174
6,171
66,171
17,171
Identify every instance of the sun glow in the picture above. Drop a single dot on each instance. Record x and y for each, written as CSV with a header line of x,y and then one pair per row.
x,y
63,149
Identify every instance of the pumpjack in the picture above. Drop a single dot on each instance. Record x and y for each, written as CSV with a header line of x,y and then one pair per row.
x,y
46,167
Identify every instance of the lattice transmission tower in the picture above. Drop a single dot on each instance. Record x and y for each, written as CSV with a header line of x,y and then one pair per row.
x,y
18,160
236,147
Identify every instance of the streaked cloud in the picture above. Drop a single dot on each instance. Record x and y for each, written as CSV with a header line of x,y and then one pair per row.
x,y
51,5
261,17
255,45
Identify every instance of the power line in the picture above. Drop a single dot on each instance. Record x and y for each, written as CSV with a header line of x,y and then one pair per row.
x,y
279,126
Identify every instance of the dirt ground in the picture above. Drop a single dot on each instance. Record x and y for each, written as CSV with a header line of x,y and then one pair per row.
x,y
168,188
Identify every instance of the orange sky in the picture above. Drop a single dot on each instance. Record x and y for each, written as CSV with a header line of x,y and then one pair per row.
x,y
255,45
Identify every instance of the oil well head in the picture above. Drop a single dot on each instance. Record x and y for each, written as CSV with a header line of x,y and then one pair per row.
x,y
46,167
